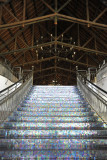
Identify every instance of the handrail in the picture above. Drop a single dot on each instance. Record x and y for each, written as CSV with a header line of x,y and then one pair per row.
x,y
85,79
97,86
93,84
5,92
95,96
11,86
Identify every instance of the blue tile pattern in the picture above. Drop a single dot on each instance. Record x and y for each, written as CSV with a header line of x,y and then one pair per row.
x,y
53,122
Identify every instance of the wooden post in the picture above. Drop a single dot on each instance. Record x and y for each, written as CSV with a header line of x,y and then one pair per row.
x,y
87,10
32,36
0,15
24,11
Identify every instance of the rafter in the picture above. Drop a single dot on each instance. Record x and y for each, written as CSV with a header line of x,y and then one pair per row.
x,y
50,16
13,37
66,30
91,32
63,6
56,58
85,44
28,21
29,48
82,21
10,13
47,75
100,15
88,50
46,4
49,68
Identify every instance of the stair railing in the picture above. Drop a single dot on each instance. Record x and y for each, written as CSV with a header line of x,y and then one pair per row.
x,y
13,95
96,96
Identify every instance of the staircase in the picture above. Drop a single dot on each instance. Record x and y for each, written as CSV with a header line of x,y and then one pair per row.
x,y
53,122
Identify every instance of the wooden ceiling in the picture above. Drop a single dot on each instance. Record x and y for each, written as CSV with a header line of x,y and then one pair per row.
x,y
53,36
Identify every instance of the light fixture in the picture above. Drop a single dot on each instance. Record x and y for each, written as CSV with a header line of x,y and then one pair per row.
x,y
71,48
41,48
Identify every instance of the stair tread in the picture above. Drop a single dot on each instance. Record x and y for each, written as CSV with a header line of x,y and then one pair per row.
x,y
55,154
53,123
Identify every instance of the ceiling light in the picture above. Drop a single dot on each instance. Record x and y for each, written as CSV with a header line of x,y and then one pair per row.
x,y
70,48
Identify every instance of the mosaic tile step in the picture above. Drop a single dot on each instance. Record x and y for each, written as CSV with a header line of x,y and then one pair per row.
x,y
53,105
53,122
57,114
47,101
52,119
50,109
54,100
55,155
74,134
49,144
60,126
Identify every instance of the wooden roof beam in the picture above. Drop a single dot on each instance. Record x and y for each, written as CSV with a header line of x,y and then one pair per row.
x,y
66,30
42,70
88,50
100,15
12,38
50,16
57,57
10,13
81,21
63,6
46,4
29,48
47,75
28,21
85,44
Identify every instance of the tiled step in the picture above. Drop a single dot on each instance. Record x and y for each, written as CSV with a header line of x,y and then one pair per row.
x,y
55,154
41,134
56,114
50,109
60,126
49,144
77,105
53,123
54,102
53,119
